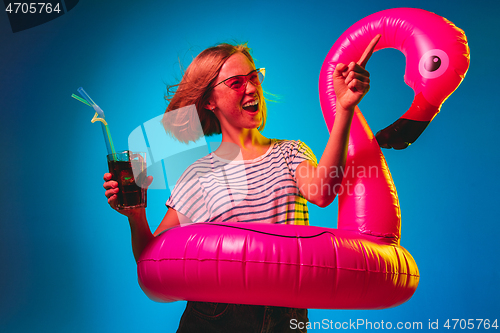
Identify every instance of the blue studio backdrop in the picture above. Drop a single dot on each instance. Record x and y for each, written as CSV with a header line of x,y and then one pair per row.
x,y
66,260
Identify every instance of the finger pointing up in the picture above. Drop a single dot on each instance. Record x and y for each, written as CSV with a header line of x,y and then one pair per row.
x,y
369,51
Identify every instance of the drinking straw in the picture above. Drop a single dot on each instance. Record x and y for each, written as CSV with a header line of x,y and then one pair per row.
x,y
98,116
80,99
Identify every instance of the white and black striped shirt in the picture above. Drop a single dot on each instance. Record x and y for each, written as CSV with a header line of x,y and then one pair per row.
x,y
259,190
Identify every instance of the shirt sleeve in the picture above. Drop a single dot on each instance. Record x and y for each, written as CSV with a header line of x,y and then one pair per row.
x,y
300,152
305,153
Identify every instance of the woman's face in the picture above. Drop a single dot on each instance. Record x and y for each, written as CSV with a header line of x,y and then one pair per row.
x,y
237,110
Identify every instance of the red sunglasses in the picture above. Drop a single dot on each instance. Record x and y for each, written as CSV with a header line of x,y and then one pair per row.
x,y
239,82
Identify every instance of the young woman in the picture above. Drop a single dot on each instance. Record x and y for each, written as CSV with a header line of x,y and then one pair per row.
x,y
249,178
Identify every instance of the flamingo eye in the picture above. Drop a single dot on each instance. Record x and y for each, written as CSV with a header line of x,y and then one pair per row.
x,y
433,64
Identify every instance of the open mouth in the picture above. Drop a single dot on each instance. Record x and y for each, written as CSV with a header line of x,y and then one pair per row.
x,y
252,106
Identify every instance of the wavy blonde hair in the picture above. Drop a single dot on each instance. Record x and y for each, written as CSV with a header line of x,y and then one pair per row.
x,y
189,98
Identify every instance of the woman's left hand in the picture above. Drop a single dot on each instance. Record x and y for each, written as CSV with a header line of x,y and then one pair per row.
x,y
351,82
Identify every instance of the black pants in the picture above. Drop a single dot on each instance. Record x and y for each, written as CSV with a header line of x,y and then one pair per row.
x,y
221,317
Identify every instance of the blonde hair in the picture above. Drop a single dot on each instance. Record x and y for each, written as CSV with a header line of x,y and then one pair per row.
x,y
195,90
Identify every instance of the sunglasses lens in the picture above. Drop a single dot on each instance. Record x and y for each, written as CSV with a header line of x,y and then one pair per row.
x,y
260,75
256,78
236,82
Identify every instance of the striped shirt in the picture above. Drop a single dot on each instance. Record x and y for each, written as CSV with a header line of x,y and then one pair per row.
x,y
260,190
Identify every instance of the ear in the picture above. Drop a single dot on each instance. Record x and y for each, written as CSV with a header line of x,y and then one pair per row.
x,y
210,105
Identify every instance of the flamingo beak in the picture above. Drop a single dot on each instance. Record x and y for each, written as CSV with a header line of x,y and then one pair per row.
x,y
406,130
401,134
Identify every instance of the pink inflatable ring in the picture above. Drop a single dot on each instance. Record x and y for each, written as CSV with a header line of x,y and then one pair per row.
x,y
360,265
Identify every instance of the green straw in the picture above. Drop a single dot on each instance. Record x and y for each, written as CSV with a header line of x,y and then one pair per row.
x,y
108,134
80,99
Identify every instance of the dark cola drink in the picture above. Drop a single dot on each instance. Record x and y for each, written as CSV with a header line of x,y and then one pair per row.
x,y
123,166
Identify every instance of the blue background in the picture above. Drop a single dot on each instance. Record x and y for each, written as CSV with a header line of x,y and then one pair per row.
x,y
66,260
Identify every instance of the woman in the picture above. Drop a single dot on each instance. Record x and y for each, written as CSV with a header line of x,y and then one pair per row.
x,y
261,180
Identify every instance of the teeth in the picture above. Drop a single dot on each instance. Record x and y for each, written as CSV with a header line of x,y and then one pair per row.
x,y
255,102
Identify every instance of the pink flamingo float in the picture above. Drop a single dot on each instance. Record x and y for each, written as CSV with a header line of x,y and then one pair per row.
x,y
360,265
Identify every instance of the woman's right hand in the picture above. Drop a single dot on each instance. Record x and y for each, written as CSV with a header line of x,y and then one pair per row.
x,y
111,187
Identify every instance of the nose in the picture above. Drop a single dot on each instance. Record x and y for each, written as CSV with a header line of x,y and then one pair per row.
x,y
250,88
